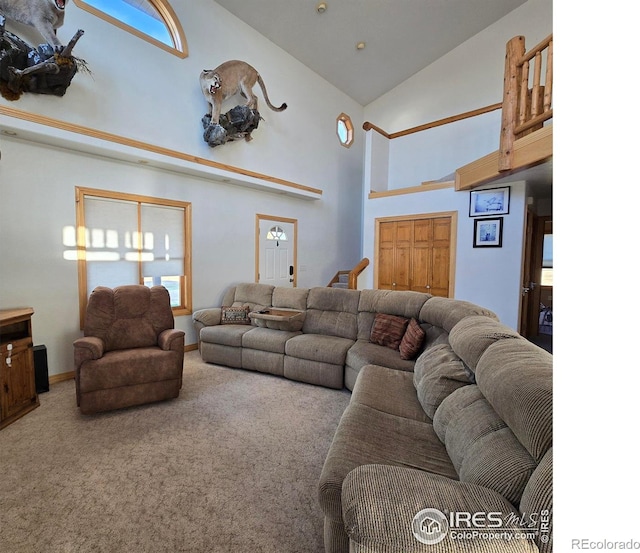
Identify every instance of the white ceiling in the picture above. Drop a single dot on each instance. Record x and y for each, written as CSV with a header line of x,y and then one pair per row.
x,y
402,36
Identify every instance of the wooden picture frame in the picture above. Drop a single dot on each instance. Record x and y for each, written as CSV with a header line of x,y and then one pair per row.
x,y
487,233
492,201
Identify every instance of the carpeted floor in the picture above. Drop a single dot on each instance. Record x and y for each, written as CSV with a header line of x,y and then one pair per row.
x,y
231,466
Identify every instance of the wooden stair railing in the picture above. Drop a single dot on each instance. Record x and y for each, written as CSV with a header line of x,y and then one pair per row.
x,y
352,275
524,108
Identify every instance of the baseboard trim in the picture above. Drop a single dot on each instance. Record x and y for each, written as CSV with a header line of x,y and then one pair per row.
x,y
55,378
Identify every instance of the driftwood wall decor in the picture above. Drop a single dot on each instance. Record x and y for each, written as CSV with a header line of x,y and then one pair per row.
x,y
226,80
45,69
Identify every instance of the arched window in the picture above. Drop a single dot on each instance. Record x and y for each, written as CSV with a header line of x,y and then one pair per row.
x,y
150,20
276,233
344,130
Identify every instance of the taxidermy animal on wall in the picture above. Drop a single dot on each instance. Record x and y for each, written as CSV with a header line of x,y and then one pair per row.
x,y
44,15
228,79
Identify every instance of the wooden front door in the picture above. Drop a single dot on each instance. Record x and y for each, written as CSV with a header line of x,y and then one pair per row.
x,y
415,253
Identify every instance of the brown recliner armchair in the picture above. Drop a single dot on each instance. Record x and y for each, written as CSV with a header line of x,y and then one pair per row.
x,y
130,354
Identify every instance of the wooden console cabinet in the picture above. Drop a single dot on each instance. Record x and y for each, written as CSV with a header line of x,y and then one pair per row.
x,y
17,376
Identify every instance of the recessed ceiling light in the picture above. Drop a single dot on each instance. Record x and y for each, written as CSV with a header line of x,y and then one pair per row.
x,y
361,45
321,7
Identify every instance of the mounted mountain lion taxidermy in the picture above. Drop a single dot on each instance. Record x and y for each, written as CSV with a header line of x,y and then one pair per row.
x,y
43,15
228,79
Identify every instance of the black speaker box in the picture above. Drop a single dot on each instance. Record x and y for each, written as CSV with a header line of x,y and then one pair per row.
x,y
41,368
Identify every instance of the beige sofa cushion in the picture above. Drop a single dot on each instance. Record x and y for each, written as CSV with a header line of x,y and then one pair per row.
x,y
364,353
318,347
253,294
290,298
366,435
516,377
538,498
437,373
482,448
390,391
447,313
473,335
224,335
380,502
267,339
332,312
401,303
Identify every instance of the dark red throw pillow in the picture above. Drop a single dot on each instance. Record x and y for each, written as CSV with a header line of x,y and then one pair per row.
x,y
388,330
412,340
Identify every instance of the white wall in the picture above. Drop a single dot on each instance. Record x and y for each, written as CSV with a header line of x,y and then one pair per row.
x,y
140,92
467,78
436,153
486,276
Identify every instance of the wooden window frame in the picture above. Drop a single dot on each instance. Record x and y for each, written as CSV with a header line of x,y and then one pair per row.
x,y
168,16
344,118
186,292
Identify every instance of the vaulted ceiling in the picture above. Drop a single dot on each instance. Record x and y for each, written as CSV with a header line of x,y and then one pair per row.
x,y
400,37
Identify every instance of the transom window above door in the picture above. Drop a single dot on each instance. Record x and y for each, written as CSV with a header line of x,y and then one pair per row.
x,y
276,233
151,20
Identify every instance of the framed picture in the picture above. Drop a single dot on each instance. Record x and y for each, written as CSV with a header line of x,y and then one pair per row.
x,y
487,233
493,201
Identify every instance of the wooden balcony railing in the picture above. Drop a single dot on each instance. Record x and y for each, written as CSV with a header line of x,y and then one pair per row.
x,y
526,101
526,105
433,124
352,275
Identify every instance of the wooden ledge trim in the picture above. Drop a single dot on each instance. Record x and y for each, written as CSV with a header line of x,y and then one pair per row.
x,y
124,141
424,187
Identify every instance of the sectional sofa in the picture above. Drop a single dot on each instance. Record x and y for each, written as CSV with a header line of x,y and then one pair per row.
x,y
446,446
327,339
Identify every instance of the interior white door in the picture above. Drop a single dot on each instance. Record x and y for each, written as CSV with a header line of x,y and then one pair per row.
x,y
276,253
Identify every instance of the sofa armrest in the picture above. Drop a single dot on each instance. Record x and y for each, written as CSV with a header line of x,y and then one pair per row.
x,y
381,506
207,317
86,348
171,339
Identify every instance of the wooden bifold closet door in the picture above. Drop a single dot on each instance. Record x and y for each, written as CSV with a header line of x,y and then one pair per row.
x,y
415,254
